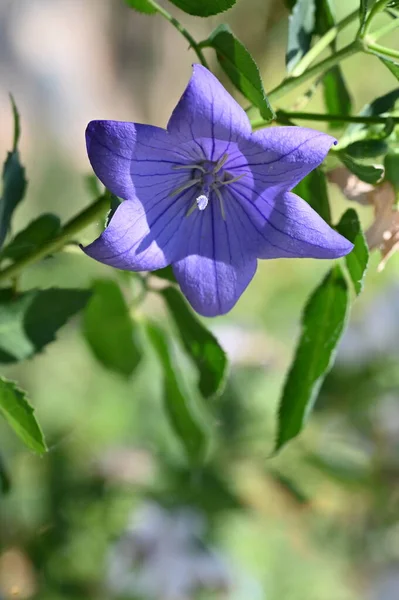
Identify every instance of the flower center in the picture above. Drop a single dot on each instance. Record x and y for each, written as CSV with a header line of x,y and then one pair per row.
x,y
209,176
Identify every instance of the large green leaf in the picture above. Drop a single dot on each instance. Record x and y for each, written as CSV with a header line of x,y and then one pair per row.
x,y
201,344
357,260
368,173
143,6
300,31
313,189
109,330
204,8
30,321
240,67
17,411
368,148
323,322
14,182
38,232
180,408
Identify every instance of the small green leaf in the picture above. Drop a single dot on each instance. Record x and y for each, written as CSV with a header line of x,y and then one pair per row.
x,y
142,6
14,182
29,321
179,406
367,148
336,95
38,232
201,345
368,173
5,480
109,330
240,67
17,411
300,31
391,164
392,65
204,8
313,189
323,323
357,260
165,273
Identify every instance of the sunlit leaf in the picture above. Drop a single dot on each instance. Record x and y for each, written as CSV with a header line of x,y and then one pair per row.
x,y
323,322
204,8
19,414
201,344
143,6
109,330
300,31
357,260
179,405
38,232
313,189
240,67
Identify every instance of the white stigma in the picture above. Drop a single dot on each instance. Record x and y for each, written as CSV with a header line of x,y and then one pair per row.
x,y
202,202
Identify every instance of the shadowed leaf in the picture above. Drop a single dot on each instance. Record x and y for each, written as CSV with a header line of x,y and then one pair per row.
x,y
357,260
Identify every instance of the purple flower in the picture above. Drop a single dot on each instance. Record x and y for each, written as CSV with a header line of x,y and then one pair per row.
x,y
208,196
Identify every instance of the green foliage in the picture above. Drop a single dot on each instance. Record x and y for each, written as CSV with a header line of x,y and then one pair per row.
x,y
165,273
5,480
357,260
300,32
14,182
391,164
109,330
368,173
204,8
17,123
240,67
143,6
323,323
180,409
17,411
368,148
201,345
392,65
38,232
30,321
313,189
336,95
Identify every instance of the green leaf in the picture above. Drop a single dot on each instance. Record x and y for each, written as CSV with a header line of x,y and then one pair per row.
x,y
336,95
357,260
368,173
368,148
300,31
323,323
240,67
200,344
179,406
14,182
142,6
391,164
392,66
5,480
165,273
109,330
17,411
38,232
381,105
29,321
204,8
313,189
115,202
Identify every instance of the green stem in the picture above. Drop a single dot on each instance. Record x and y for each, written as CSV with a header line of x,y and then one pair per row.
x,y
322,44
382,50
393,24
74,226
193,44
292,82
378,7
283,115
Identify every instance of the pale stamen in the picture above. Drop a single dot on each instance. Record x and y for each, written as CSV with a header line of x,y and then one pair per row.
x,y
232,180
190,167
202,201
220,163
185,186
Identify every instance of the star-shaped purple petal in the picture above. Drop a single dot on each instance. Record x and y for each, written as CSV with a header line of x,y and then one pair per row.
x,y
208,196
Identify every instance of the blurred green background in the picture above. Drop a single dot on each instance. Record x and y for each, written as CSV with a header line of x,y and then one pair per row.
x,y
112,510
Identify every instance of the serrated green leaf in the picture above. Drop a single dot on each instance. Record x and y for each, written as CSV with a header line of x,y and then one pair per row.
x,y
368,173
5,480
30,321
38,232
204,8
357,260
142,6
200,344
323,323
19,414
166,273
109,330
336,95
300,31
392,65
179,406
240,67
313,189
